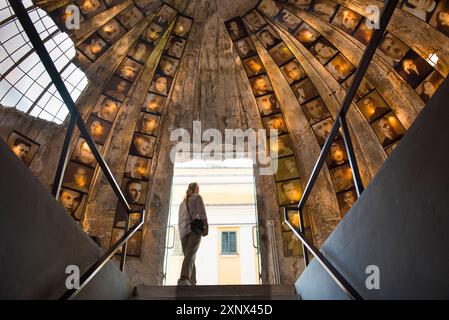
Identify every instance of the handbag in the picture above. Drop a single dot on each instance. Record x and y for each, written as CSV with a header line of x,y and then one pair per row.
x,y
196,225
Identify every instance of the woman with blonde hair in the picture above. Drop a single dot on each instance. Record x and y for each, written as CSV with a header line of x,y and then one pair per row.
x,y
192,225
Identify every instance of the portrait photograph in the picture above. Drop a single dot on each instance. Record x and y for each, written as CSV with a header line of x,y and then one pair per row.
x,y
293,71
112,31
306,35
301,4
364,88
388,129
281,54
135,191
142,145
153,103
393,49
121,214
153,33
280,146
148,124
422,9
287,169
261,85
175,47
269,8
254,21
363,33
323,129
117,88
93,47
292,245
268,105
23,147
293,219
315,110
440,18
165,16
429,86
323,50
325,9
106,108
337,154
340,68
167,66
288,20
275,122
161,84
98,129
347,20
342,178
147,6
268,37
182,26
73,202
134,246
373,106
84,154
78,177
128,69
346,200
289,192
305,90
137,168
413,69
236,29
245,48
130,17
253,66
90,7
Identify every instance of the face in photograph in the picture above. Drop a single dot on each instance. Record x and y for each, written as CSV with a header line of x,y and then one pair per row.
x,y
168,66
281,54
413,69
292,245
143,145
322,130
422,9
440,19
325,9
287,169
253,66
135,191
160,84
137,168
153,33
393,49
129,69
293,71
141,51
289,192
112,31
117,88
90,7
323,50
280,146
93,47
245,48
305,90
373,106
236,29
346,19
175,47
306,35
388,129
98,129
71,201
261,85
267,105
78,177
315,110
429,86
148,123
147,6
301,4
337,154
268,38
106,108
288,20
342,178
83,154
269,8
153,103
130,17
340,68
346,200
182,26
165,16
363,33
254,21
275,122
22,147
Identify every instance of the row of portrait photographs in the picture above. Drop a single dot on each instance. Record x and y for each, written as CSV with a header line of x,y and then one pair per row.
x,y
134,244
23,147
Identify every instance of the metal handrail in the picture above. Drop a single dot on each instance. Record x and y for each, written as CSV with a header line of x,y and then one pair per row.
x,y
340,122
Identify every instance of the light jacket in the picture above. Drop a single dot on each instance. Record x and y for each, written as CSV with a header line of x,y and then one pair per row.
x,y
197,211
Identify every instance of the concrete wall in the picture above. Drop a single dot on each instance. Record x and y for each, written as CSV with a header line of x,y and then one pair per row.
x,y
399,224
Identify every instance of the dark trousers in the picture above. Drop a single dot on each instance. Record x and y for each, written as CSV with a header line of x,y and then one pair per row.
x,y
190,244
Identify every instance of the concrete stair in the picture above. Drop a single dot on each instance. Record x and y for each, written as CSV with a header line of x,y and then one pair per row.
x,y
225,292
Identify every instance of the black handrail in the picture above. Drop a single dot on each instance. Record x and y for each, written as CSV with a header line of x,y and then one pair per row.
x,y
340,122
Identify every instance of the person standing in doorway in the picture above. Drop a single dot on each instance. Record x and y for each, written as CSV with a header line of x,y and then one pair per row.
x,y
191,208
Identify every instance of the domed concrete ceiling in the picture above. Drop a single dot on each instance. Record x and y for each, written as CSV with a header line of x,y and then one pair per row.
x,y
155,67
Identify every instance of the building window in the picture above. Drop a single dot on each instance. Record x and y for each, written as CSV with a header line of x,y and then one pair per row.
x,y
229,243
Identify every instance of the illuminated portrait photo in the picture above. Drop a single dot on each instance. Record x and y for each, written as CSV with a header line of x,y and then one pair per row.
x,y
287,169
153,103
289,192
98,129
117,88
128,69
267,105
23,147
106,108
388,129
78,177
373,106
315,110
143,145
